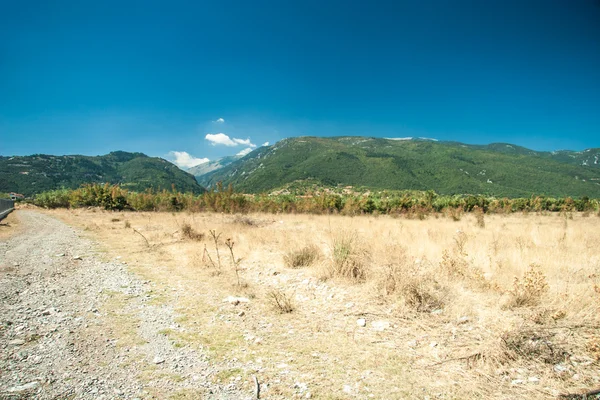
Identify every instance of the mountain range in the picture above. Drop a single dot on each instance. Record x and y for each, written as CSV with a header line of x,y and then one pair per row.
x,y
295,164
498,169
29,175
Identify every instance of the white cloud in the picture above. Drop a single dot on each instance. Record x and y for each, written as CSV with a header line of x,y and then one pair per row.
x,y
221,138
219,121
399,138
244,152
185,160
265,144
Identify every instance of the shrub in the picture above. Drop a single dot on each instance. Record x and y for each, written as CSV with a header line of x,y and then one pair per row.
x,y
418,289
53,199
479,216
349,258
280,301
190,233
303,257
528,290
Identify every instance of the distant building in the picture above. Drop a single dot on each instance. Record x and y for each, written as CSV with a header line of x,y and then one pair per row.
x,y
16,196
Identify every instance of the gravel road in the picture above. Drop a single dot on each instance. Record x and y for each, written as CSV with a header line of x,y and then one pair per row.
x,y
59,336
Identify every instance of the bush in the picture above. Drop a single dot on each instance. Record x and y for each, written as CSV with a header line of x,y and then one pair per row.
x,y
280,301
418,289
528,290
190,233
350,259
303,257
53,199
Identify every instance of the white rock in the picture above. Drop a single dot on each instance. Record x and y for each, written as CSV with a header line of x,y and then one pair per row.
x,y
158,360
361,322
533,379
380,325
236,300
17,342
560,368
517,382
24,388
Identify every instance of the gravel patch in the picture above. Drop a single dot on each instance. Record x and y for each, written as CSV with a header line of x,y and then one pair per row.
x,y
58,307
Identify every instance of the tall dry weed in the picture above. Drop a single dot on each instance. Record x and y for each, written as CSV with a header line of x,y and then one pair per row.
x,y
350,257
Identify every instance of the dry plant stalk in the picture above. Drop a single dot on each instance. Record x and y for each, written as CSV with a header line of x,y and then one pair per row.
x,y
280,301
139,233
206,256
235,263
215,237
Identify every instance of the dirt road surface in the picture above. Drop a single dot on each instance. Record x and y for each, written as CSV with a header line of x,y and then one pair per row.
x,y
66,333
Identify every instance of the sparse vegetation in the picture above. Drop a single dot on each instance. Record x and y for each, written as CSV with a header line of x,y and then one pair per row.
x,y
438,299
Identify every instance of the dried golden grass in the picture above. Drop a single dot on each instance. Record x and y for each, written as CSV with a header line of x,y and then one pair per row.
x,y
390,267
303,257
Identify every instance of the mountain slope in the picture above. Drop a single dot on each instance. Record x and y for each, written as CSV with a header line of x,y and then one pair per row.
x,y
205,168
135,171
446,167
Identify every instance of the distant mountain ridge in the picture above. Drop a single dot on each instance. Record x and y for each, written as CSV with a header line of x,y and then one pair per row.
x,y
134,171
497,169
210,166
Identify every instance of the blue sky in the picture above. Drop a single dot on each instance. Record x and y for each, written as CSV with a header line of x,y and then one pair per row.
x,y
83,77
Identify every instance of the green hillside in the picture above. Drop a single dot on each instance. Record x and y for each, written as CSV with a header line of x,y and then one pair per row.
x,y
134,171
446,167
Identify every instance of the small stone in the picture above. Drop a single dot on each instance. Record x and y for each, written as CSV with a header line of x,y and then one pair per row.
x,y
241,314
17,342
158,360
380,325
24,388
361,322
236,300
517,382
433,344
463,320
77,258
60,255
560,368
533,379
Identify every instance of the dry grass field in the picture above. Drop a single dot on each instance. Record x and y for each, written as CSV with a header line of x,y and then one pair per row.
x,y
494,307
